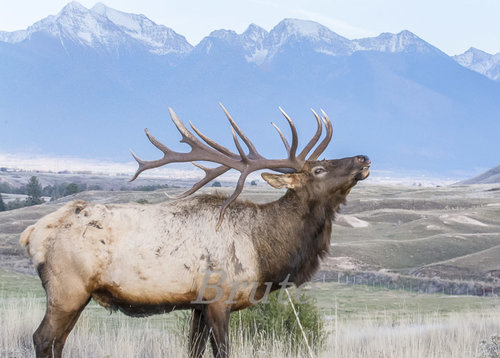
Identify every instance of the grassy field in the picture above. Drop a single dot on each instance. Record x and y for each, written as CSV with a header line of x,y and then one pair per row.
x,y
361,321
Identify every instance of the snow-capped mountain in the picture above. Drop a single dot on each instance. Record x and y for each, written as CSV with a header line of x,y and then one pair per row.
x,y
92,79
405,41
103,28
481,62
259,46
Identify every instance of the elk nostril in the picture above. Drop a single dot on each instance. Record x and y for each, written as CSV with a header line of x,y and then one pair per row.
x,y
363,159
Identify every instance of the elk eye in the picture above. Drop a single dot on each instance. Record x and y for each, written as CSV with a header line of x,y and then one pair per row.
x,y
319,170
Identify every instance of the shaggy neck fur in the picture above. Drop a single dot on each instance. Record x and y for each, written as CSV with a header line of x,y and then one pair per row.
x,y
296,235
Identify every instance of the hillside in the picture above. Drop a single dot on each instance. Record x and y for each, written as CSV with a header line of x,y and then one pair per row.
x,y
491,176
448,232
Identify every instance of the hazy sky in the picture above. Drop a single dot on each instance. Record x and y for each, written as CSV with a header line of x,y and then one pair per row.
x,y
451,25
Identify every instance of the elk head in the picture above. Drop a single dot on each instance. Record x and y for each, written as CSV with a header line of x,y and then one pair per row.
x,y
301,173
322,180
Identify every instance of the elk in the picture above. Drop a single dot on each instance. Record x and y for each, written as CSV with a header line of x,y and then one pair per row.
x,y
149,259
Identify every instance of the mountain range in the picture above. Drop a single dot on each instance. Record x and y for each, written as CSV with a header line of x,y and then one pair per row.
x,y
85,82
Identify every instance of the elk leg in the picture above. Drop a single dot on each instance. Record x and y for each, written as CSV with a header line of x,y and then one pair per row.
x,y
51,335
198,334
217,319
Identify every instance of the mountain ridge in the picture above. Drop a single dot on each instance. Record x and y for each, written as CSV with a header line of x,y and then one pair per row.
x,y
259,48
94,22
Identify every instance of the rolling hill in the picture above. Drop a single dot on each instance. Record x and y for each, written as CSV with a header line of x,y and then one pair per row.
x,y
489,177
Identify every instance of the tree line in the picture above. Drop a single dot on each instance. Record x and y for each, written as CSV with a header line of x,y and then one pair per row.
x,y
34,192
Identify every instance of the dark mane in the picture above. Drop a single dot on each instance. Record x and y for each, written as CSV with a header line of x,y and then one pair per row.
x,y
294,243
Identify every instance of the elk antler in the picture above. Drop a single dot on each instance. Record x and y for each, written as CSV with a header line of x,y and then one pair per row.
x,y
244,163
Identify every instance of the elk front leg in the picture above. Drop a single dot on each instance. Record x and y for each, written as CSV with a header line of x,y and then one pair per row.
x,y
198,334
51,335
217,319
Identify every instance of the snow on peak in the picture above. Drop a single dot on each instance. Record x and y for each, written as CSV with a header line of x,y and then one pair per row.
x,y
105,27
124,20
320,37
481,62
255,33
227,35
160,38
300,27
253,28
72,7
404,41
472,56
304,28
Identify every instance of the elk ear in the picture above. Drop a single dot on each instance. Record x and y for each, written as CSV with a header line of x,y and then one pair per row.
x,y
278,181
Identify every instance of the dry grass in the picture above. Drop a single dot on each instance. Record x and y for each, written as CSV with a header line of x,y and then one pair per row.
x,y
99,334
424,336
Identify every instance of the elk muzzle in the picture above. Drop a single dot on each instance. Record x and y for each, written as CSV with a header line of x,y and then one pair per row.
x,y
362,162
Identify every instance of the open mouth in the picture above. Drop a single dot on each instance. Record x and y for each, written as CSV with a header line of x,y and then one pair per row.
x,y
363,173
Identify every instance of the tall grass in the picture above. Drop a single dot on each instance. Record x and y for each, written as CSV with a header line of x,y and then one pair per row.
x,y
99,334
416,335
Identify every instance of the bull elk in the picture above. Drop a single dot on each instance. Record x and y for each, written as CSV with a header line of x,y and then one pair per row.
x,y
148,259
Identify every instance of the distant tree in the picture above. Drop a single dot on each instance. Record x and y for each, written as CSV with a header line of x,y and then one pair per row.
x,y
34,192
5,188
15,204
71,189
216,184
2,204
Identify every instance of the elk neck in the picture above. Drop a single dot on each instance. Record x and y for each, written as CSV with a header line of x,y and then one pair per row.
x,y
293,235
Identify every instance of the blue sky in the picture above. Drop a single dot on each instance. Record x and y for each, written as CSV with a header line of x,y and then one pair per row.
x,y
451,25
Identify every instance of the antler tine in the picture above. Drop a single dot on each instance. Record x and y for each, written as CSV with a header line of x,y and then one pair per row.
x,y
324,143
314,139
200,151
187,136
238,146
295,139
210,173
214,144
156,142
150,164
236,192
252,151
141,166
283,138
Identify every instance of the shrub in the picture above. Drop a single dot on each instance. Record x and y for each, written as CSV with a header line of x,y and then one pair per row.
x,y
273,321
276,321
